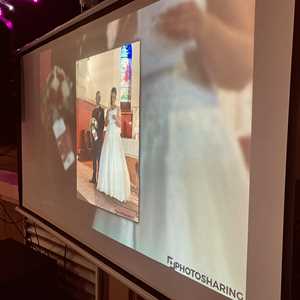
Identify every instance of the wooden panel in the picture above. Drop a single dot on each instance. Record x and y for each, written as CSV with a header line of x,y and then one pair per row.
x,y
84,112
80,279
117,290
133,296
126,125
78,276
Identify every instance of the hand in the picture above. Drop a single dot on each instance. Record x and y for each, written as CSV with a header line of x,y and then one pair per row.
x,y
197,71
183,22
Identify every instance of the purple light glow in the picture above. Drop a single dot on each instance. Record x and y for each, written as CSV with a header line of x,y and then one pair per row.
x,y
1,12
7,23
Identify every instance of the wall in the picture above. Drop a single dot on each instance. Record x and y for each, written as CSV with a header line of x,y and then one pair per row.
x,y
83,118
102,72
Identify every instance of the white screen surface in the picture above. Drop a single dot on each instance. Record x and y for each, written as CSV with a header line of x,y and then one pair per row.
x,y
196,106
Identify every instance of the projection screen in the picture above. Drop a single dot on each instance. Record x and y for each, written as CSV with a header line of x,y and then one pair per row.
x,y
143,138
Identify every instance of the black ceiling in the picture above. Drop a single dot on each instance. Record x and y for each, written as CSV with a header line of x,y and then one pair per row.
x,y
34,20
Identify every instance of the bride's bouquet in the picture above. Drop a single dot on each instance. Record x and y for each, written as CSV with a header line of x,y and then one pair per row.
x,y
93,128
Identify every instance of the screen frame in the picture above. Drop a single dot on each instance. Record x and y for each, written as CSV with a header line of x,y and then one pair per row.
x,y
107,7
291,209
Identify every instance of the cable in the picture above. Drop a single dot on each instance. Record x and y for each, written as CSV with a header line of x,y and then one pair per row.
x,y
12,220
28,239
37,237
65,257
65,263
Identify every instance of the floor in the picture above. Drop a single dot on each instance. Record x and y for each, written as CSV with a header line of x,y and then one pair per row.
x,y
88,192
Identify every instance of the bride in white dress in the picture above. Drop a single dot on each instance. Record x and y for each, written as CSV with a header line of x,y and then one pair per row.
x,y
113,178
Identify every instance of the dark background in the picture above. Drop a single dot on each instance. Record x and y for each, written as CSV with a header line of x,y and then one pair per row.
x,y
34,20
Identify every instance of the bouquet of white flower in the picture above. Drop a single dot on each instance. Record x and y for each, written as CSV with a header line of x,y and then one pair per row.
x,y
93,128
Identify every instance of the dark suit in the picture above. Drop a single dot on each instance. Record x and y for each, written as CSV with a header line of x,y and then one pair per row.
x,y
98,114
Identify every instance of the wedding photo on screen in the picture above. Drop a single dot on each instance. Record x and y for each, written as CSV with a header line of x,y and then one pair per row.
x,y
107,115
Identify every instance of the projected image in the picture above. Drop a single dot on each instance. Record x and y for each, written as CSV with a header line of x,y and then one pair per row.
x,y
107,112
180,195
56,90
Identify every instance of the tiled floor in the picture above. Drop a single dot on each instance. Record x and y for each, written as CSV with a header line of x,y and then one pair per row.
x,y
88,192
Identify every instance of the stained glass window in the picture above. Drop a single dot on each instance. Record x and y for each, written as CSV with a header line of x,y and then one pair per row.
x,y
126,72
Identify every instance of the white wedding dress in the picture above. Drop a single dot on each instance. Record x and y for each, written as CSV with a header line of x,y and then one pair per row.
x,y
194,194
113,178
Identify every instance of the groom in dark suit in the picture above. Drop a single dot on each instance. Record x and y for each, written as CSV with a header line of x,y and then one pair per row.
x,y
97,136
